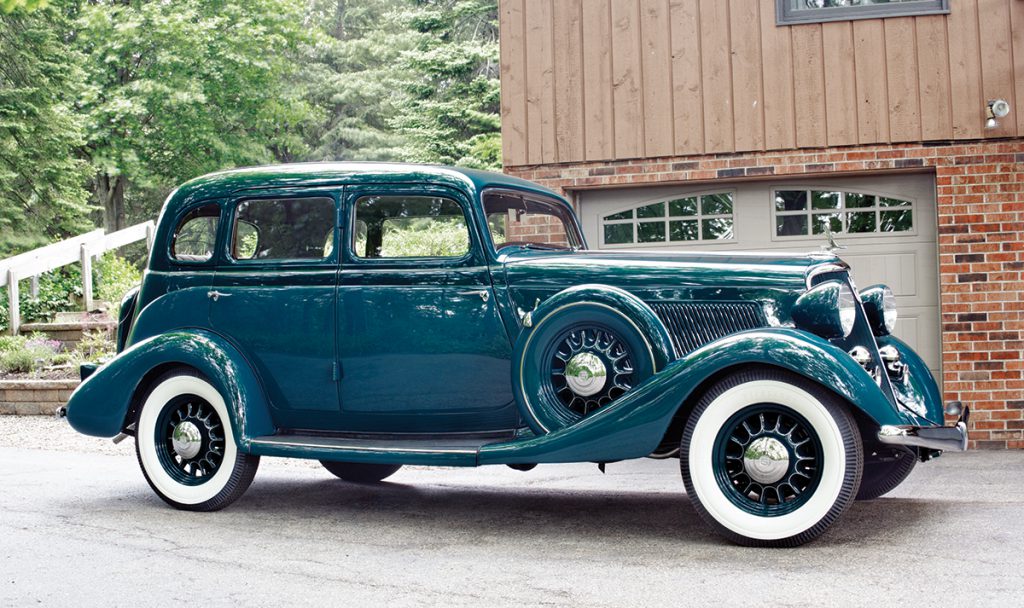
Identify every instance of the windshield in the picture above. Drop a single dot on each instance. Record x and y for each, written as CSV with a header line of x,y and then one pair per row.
x,y
515,220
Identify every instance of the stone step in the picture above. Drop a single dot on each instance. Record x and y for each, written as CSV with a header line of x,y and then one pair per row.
x,y
34,397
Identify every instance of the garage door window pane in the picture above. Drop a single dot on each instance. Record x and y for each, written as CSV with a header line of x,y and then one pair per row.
x,y
625,215
892,202
861,222
717,229
655,210
683,207
791,225
826,200
897,221
858,201
828,222
651,232
716,204
791,200
683,230
618,234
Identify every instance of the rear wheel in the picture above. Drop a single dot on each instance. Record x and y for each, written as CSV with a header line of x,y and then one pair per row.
x,y
882,475
770,459
361,472
186,446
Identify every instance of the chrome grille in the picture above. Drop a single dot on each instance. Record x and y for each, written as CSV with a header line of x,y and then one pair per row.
x,y
694,324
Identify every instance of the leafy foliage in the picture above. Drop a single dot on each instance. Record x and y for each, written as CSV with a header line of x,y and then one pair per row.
x,y
42,185
9,6
449,112
184,88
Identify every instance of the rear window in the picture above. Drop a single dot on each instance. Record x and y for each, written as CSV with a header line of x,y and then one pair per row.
x,y
196,235
283,229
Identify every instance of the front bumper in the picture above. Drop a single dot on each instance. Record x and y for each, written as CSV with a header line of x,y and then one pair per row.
x,y
951,438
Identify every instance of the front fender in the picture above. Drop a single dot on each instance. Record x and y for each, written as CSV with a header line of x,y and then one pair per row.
x,y
100,404
635,309
919,381
634,425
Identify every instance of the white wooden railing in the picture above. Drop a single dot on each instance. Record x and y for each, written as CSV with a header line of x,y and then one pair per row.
x,y
83,248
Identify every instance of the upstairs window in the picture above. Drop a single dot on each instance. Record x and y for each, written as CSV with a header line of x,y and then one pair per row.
x,y
810,11
693,218
801,213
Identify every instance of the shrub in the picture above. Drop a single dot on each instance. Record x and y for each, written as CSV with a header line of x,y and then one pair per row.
x,y
113,276
17,362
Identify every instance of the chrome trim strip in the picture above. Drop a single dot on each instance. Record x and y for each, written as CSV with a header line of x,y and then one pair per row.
x,y
362,448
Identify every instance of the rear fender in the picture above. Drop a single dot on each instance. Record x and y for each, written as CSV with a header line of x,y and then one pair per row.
x,y
101,404
635,424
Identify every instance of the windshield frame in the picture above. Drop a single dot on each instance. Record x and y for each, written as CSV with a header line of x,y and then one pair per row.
x,y
566,213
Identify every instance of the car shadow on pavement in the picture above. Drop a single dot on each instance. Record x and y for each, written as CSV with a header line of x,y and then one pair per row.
x,y
547,513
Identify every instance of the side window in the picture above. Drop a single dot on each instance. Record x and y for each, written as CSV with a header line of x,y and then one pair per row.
x,y
196,235
283,229
409,227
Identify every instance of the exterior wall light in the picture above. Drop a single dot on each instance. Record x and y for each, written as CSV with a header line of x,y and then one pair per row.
x,y
994,110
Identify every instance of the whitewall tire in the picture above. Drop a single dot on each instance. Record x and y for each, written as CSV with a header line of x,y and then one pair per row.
x,y
186,446
769,458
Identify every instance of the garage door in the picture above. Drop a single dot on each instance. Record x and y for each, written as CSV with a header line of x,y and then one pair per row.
x,y
887,224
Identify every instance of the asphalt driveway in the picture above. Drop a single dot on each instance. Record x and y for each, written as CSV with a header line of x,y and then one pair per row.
x,y
80,527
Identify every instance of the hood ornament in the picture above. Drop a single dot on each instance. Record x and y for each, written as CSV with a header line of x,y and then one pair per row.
x,y
832,244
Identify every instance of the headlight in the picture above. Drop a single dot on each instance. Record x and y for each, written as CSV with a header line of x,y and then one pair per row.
x,y
828,309
880,306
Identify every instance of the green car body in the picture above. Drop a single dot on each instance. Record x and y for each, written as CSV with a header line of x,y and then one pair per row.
x,y
430,360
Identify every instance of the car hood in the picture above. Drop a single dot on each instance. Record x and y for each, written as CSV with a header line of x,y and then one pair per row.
x,y
638,270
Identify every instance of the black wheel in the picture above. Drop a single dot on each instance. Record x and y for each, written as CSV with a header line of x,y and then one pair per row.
x,y
770,459
361,472
186,446
883,474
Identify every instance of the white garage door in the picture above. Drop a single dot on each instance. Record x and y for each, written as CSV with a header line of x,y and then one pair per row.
x,y
887,224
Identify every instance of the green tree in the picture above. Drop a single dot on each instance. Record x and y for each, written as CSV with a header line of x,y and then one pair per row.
x,y
178,89
350,76
449,110
42,193
9,6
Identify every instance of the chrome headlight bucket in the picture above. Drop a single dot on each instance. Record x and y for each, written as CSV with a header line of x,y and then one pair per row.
x,y
880,307
828,310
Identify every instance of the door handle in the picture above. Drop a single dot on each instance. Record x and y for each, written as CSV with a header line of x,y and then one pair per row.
x,y
216,295
483,293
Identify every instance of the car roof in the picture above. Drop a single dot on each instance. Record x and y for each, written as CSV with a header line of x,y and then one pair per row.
x,y
311,175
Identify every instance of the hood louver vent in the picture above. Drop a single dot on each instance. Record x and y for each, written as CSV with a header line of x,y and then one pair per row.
x,y
693,325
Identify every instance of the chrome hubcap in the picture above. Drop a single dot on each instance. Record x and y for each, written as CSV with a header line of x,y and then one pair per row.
x,y
766,460
186,440
585,374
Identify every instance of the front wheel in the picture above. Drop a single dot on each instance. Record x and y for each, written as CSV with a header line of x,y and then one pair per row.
x,y
770,459
186,447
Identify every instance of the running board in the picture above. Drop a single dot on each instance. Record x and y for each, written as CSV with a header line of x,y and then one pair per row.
x,y
448,451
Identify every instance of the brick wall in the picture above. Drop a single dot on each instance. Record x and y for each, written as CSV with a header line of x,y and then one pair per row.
x,y
980,196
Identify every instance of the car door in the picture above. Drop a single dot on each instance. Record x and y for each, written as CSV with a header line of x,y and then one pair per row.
x,y
274,297
421,344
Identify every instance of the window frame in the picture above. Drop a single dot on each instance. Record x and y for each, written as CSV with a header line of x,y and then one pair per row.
x,y
573,225
232,221
810,212
354,193
173,236
784,15
667,218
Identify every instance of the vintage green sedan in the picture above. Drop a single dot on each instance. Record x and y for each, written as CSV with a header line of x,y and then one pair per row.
x,y
376,315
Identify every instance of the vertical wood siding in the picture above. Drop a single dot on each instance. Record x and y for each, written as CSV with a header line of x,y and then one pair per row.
x,y
616,79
